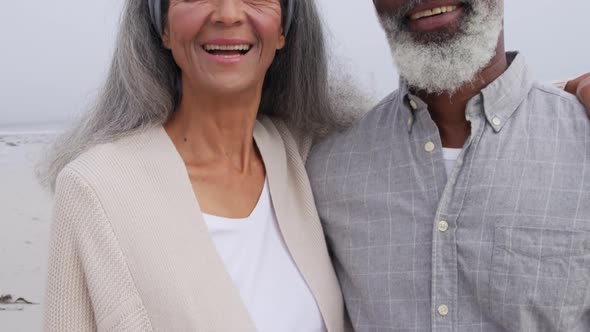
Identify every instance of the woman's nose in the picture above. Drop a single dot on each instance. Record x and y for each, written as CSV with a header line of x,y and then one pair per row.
x,y
228,12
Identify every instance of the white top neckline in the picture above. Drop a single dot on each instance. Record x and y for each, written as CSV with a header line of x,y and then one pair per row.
x,y
262,199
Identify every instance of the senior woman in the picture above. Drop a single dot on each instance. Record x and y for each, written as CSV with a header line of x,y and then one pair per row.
x,y
181,200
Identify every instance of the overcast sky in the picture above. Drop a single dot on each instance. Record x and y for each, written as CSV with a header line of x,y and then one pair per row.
x,y
55,53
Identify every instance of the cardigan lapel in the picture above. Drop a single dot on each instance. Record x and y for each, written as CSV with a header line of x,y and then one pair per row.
x,y
203,278
298,220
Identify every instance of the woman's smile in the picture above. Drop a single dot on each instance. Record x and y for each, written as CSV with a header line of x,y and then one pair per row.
x,y
227,51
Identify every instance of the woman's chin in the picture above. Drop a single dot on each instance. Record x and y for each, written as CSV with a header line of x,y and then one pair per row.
x,y
229,84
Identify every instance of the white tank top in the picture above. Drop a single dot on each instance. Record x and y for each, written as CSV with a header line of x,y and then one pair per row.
x,y
258,261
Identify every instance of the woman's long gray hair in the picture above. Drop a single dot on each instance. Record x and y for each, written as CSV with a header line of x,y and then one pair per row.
x,y
141,87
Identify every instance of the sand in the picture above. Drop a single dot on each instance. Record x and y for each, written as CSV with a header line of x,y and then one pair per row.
x,y
25,210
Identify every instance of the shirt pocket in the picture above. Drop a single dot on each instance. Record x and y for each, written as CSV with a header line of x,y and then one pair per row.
x,y
540,278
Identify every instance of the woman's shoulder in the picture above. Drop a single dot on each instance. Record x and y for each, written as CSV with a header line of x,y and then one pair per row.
x,y
106,162
294,138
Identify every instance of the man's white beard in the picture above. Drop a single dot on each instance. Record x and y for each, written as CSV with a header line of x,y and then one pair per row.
x,y
445,65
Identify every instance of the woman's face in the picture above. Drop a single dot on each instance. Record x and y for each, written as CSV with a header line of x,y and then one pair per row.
x,y
224,46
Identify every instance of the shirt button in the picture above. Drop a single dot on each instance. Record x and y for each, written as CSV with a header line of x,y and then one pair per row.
x,y
443,310
443,226
496,121
414,105
410,122
429,147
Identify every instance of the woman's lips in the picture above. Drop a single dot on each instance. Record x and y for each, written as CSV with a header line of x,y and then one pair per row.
x,y
435,18
227,51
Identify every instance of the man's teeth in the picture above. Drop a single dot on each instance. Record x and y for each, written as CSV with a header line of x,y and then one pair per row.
x,y
210,47
433,11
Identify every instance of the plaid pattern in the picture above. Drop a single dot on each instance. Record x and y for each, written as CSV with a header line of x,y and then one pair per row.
x,y
516,254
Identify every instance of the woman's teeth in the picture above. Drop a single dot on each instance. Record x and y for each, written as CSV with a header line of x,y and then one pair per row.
x,y
209,47
227,51
433,12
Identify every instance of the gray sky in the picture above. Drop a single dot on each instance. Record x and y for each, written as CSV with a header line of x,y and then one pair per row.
x,y
56,53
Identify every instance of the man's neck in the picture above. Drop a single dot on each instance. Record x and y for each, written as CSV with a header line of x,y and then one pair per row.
x,y
448,111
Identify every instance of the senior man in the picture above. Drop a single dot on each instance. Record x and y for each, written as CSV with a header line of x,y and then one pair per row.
x,y
462,201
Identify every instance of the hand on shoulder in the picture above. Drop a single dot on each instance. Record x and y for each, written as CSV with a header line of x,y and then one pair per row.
x,y
581,87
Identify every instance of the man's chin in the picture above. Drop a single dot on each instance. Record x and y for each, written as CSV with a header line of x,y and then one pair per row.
x,y
442,60
438,37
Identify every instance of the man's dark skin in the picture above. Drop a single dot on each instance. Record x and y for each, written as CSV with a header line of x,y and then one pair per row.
x,y
448,111
581,87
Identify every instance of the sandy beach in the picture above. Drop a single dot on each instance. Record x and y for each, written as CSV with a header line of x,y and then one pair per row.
x,y
25,210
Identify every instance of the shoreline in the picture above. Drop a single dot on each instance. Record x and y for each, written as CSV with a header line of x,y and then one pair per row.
x,y
30,129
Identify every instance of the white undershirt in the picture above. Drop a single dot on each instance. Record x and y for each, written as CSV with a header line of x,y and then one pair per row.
x,y
450,156
257,259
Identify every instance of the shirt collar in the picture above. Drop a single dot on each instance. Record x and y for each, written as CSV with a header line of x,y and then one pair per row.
x,y
410,103
501,98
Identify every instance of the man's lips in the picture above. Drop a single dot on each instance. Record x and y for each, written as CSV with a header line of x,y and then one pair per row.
x,y
435,15
432,12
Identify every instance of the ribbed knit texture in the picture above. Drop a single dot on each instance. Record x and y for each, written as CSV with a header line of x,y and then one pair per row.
x,y
90,284
130,251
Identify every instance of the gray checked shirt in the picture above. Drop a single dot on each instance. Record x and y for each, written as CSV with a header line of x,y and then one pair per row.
x,y
502,244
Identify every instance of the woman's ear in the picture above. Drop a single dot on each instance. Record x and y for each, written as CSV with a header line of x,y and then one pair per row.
x,y
166,38
282,40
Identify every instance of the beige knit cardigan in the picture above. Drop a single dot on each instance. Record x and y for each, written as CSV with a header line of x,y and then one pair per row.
x,y
130,251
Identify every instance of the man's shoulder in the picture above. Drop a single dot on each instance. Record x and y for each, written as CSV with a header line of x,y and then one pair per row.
x,y
548,100
357,133
387,106
355,140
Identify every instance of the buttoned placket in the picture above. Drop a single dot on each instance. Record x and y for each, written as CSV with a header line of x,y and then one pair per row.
x,y
444,298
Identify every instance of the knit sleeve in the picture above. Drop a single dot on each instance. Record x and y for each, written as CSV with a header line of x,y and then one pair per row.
x,y
67,301
89,285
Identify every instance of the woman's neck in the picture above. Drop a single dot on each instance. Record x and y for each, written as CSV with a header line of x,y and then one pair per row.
x,y
207,128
